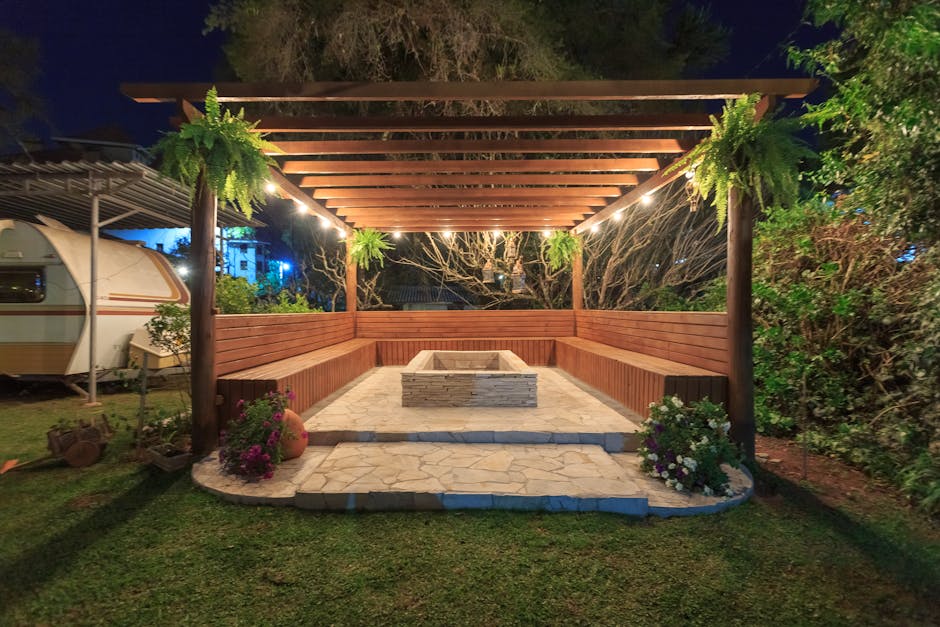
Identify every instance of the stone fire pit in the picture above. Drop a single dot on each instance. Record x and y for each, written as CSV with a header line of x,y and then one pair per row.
x,y
468,379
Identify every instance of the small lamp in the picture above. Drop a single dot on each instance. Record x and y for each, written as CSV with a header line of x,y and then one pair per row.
x,y
488,272
518,278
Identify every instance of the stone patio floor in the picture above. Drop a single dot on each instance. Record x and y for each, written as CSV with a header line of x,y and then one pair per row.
x,y
369,410
367,452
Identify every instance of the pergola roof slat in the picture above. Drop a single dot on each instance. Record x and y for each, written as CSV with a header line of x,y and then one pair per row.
x,y
432,166
700,89
466,146
469,193
392,180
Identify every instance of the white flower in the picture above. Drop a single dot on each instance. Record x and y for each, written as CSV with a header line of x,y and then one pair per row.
x,y
679,458
726,427
672,466
690,463
707,491
677,401
729,492
652,457
693,446
663,408
712,424
653,473
652,405
664,474
678,487
704,440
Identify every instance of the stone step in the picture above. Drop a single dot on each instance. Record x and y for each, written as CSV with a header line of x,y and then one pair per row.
x,y
616,442
433,476
436,476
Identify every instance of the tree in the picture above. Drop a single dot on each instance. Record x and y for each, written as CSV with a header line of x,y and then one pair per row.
x,y
19,102
882,117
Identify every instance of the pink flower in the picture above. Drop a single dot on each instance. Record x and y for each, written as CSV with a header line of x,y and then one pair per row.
x,y
240,403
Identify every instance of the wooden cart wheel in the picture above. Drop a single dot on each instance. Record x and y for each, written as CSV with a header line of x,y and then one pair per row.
x,y
82,453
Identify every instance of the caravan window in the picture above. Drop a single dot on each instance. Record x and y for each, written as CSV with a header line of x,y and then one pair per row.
x,y
22,285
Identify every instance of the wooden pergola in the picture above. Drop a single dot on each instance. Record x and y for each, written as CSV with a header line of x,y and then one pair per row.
x,y
516,182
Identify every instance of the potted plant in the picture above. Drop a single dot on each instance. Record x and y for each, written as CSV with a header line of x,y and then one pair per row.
x,y
686,445
367,246
263,434
560,248
167,440
759,157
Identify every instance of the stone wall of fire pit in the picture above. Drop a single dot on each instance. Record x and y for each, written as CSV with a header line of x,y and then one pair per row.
x,y
468,379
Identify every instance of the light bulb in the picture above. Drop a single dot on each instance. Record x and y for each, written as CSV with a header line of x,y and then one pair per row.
x,y
270,187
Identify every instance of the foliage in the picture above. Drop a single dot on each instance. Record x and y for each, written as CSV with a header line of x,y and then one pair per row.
x,y
290,304
758,157
367,246
19,69
169,329
881,121
224,150
846,342
685,445
561,248
251,447
234,295
167,427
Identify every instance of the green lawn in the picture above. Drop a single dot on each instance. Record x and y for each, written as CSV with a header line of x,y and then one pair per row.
x,y
117,543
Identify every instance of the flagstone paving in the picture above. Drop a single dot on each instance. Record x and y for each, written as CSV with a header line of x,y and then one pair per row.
x,y
370,410
432,476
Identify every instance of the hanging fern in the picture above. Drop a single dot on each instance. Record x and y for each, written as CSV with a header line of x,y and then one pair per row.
x,y
367,246
561,247
225,149
759,158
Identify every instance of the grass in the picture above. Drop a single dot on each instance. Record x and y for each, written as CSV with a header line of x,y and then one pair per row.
x,y
118,543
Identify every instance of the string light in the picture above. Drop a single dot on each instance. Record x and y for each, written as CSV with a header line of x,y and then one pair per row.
x,y
446,234
324,223
618,216
301,207
396,234
646,199
546,233
270,187
595,228
497,233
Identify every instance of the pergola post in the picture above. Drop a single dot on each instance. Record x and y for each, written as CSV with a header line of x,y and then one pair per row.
x,y
577,280
352,277
740,325
92,400
202,349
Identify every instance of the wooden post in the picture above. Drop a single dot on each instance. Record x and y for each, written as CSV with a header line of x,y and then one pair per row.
x,y
202,334
740,331
352,271
577,281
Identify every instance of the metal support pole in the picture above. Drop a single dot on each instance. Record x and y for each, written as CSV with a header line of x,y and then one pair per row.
x,y
93,310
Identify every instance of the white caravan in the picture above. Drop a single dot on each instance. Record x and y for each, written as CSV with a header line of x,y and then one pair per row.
x,y
45,285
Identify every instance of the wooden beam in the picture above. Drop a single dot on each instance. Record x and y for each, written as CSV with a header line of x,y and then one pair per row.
x,y
352,281
449,124
358,213
708,89
431,166
461,228
466,146
467,193
289,190
205,432
338,203
391,180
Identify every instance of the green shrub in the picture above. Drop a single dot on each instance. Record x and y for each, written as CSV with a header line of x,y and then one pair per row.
x,y
286,304
234,295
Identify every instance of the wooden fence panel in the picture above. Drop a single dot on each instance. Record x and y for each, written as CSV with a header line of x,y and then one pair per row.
x,y
694,338
245,341
465,324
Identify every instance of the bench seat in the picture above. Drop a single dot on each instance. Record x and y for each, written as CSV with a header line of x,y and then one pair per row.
x,y
535,351
310,376
636,379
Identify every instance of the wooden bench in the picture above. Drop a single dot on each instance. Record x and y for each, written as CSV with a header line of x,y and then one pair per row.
x,y
535,351
311,376
636,379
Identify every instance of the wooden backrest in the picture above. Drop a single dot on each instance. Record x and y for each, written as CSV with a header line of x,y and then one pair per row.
x,y
693,338
465,324
245,341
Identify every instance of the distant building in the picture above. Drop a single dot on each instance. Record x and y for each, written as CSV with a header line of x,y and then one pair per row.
x,y
429,297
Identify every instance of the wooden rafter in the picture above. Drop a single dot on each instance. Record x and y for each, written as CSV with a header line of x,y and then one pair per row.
x,y
708,89
441,124
468,193
431,166
290,190
393,180
466,146
338,203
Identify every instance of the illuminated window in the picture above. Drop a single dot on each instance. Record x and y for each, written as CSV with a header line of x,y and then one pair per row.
x,y
22,285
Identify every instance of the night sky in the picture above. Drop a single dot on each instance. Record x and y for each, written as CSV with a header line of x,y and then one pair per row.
x,y
89,48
